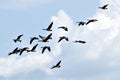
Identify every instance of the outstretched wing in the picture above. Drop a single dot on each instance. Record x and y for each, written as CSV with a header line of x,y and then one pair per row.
x,y
43,49
58,63
31,40
19,36
50,26
60,39
105,6
48,48
34,47
41,37
52,67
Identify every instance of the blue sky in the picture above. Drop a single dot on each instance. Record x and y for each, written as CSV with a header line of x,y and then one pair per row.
x,y
98,59
30,19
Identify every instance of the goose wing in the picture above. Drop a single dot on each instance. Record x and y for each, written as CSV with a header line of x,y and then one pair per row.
x,y
34,47
49,49
105,6
31,40
41,37
60,39
50,26
48,37
19,36
58,63
43,49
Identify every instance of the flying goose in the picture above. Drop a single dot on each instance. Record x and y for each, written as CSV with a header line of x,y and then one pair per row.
x,y
57,65
15,51
46,38
43,37
79,41
32,39
33,48
18,38
62,27
49,27
91,20
104,7
63,37
46,47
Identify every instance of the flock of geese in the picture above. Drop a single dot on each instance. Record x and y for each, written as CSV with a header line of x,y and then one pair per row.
x,y
49,37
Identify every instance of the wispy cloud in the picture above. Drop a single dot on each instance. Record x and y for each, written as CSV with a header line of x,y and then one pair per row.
x,y
22,4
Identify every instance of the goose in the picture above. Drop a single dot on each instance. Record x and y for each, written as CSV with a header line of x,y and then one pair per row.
x,y
57,65
32,39
46,47
79,41
18,38
46,38
63,37
49,27
33,48
91,20
104,7
15,51
43,37
62,27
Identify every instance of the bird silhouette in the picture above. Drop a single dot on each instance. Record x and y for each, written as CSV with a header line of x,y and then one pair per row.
x,y
32,39
15,51
23,49
57,65
104,7
18,38
81,23
63,37
46,38
49,27
46,47
62,27
79,41
91,20
43,37
33,48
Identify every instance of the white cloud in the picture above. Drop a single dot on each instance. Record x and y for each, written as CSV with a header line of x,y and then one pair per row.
x,y
12,66
22,4
106,29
